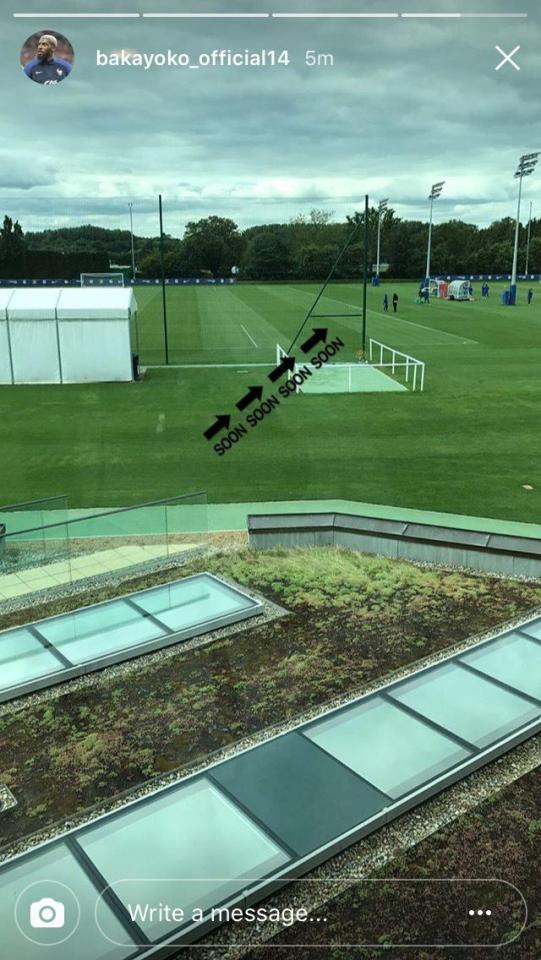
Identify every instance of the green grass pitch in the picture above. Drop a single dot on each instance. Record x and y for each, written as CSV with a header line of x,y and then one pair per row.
x,y
469,444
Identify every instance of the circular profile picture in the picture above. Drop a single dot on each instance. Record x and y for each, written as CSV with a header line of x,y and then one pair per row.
x,y
47,57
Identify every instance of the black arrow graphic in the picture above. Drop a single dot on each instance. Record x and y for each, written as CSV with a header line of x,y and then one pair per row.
x,y
320,335
222,422
288,363
254,393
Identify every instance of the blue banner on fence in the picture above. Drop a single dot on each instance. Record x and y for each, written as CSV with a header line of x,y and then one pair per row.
x,y
185,282
104,282
223,281
487,276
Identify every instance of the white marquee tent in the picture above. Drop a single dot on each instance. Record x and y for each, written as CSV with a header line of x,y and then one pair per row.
x,y
66,335
5,357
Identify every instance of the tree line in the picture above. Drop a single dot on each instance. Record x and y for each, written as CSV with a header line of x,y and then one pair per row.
x,y
305,248
19,259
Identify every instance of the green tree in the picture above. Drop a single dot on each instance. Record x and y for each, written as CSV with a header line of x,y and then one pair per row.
x,y
267,257
149,263
213,244
313,262
455,247
534,260
13,250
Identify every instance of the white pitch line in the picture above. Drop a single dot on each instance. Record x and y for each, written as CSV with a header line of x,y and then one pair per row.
x,y
422,326
412,323
249,335
202,366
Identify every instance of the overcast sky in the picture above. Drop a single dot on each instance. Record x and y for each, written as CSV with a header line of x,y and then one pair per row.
x,y
406,103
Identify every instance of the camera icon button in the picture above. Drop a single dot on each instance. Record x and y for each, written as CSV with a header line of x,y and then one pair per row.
x,y
47,912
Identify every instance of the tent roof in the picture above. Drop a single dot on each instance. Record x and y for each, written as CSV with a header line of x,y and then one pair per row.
x,y
85,303
33,304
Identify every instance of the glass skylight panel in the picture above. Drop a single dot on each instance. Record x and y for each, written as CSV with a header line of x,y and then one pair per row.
x,y
117,629
88,634
56,875
192,846
192,601
533,629
212,838
391,749
299,792
513,659
471,707
23,658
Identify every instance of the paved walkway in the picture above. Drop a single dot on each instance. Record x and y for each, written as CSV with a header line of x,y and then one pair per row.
x,y
61,572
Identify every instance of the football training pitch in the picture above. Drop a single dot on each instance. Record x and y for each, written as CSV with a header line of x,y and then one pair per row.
x,y
469,444
243,324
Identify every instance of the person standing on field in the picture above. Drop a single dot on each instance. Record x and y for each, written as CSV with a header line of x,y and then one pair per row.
x,y
395,302
385,303
530,295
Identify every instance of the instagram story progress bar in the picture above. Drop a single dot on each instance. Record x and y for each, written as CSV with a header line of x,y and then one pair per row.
x,y
293,15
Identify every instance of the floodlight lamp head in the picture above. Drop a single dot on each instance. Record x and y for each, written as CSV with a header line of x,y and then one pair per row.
x,y
383,205
436,190
527,164
525,171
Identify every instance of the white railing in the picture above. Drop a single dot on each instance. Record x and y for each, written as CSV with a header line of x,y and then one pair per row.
x,y
398,362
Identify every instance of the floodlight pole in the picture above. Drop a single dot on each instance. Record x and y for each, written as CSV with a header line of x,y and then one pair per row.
x,y
162,266
130,205
365,275
528,241
434,194
513,288
429,238
526,167
381,210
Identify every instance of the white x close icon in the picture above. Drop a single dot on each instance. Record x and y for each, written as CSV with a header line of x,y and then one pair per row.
x,y
507,58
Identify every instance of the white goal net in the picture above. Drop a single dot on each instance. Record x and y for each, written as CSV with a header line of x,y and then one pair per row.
x,y
102,279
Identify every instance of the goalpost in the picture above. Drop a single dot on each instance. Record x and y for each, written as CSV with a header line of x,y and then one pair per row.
x,y
102,279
